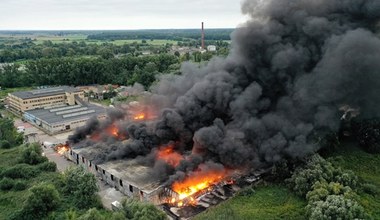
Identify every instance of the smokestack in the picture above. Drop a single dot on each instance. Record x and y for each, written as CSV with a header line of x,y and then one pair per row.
x,y
203,36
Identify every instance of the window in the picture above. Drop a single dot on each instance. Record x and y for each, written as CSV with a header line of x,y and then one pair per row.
x,y
121,182
131,188
111,177
90,164
96,167
82,159
104,172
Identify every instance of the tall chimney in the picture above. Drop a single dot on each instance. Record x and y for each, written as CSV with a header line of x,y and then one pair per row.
x,y
203,36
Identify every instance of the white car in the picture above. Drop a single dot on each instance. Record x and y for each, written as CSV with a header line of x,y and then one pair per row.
x,y
20,129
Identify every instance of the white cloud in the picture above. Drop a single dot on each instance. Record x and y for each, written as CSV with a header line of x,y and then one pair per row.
x,y
117,14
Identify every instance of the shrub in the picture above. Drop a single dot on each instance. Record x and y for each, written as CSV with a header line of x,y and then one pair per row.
x,y
370,189
4,144
321,190
42,199
335,207
318,169
92,214
19,185
47,166
6,184
81,185
137,210
32,155
20,171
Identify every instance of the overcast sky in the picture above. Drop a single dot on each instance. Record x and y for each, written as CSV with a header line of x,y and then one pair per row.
x,y
118,14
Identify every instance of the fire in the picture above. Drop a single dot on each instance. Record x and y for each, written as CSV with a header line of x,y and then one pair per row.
x,y
111,130
168,155
140,116
197,181
62,149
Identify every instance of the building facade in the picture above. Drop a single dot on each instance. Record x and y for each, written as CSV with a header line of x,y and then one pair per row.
x,y
19,102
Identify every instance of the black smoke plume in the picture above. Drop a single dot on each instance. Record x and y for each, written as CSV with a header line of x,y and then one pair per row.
x,y
291,67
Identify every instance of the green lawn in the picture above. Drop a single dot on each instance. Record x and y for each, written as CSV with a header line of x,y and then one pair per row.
x,y
268,202
367,167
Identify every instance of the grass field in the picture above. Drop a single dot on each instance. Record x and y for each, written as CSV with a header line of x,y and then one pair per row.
x,y
268,202
39,39
367,167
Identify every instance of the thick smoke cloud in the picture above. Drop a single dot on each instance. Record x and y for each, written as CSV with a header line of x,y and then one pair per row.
x,y
290,69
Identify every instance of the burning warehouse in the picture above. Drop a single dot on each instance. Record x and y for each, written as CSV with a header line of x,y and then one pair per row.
x,y
290,69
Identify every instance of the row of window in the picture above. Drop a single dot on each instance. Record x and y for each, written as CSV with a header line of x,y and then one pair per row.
x,y
45,99
130,187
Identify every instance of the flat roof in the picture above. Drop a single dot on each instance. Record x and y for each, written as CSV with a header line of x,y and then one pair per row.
x,y
129,170
68,113
37,93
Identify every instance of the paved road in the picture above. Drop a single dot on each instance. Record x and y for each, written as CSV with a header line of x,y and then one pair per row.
x,y
107,194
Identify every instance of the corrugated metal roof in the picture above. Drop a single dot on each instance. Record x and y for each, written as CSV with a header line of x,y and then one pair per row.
x,y
44,92
54,117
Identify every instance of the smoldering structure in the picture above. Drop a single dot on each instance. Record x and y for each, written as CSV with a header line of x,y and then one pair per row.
x,y
291,67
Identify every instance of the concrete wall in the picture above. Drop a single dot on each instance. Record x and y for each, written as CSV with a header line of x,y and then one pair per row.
x,y
122,185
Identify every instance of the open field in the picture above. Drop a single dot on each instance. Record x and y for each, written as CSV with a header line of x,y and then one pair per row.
x,y
55,39
267,202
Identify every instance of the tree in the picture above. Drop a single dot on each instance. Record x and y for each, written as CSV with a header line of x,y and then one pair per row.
x,y
32,154
318,169
335,207
81,186
42,199
92,214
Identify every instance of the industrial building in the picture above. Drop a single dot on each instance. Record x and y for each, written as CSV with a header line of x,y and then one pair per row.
x,y
22,101
128,176
59,119
54,110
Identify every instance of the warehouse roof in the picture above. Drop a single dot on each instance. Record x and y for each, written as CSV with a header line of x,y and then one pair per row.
x,y
130,170
66,113
45,92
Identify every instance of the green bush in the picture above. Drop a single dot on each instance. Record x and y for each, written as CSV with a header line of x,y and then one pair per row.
x,y
4,144
47,166
19,185
81,186
32,154
318,169
136,210
42,199
370,189
20,171
6,184
92,214
321,190
335,207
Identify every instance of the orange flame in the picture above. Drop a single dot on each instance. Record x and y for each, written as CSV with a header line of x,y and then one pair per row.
x,y
111,130
140,116
197,181
62,149
168,155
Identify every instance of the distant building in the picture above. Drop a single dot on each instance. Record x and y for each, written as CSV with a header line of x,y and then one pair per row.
x,y
54,110
211,48
19,102
65,118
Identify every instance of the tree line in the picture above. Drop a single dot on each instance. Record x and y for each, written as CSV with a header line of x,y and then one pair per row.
x,y
170,34
31,51
85,71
